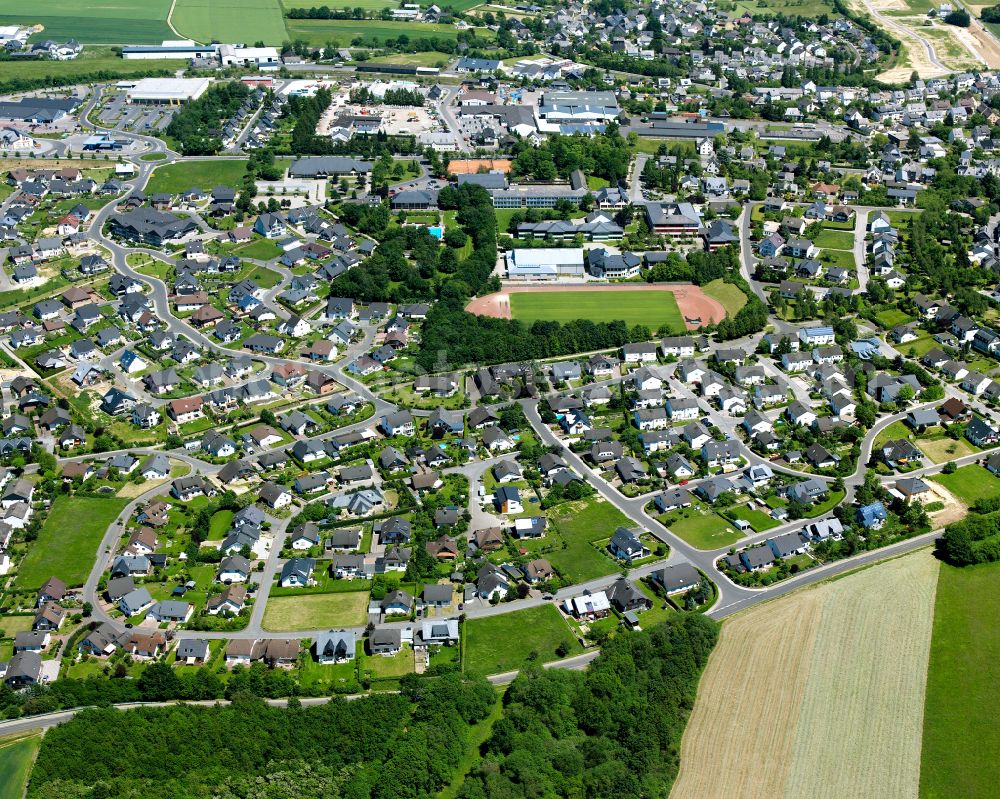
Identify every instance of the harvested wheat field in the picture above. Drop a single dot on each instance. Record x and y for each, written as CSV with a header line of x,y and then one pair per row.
x,y
821,691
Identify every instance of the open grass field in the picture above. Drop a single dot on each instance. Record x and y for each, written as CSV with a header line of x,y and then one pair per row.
x,y
107,22
315,611
497,644
342,32
890,317
823,690
244,21
970,483
650,308
834,239
705,531
961,734
17,755
573,528
791,8
428,59
92,60
175,178
942,449
730,296
758,520
68,541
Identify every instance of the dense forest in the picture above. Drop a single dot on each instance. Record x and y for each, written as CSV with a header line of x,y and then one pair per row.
x,y
612,731
383,747
606,156
196,127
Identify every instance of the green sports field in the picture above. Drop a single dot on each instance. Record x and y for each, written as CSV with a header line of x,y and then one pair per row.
x,y
653,308
106,22
245,21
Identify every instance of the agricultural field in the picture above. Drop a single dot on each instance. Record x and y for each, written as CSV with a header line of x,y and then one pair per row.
x,y
92,60
497,644
835,673
244,21
650,308
108,22
175,178
16,758
68,541
970,483
960,725
316,611
342,32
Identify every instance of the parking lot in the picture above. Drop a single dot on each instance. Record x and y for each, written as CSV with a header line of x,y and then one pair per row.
x,y
117,114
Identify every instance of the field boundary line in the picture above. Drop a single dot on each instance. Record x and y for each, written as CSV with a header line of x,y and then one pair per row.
x,y
170,22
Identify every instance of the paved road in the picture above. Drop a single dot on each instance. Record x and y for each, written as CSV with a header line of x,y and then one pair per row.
x,y
731,597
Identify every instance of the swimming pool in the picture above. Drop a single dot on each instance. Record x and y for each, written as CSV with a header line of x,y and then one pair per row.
x,y
437,231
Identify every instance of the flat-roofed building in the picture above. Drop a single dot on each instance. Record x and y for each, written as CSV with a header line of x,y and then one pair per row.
x,y
167,91
545,264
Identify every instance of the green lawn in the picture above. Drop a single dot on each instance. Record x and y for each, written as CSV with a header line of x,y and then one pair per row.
x,y
705,531
834,240
68,541
970,483
841,258
505,642
108,22
653,308
891,317
175,178
826,505
17,755
259,250
316,611
230,20
894,431
758,520
960,725
729,295
219,525
572,529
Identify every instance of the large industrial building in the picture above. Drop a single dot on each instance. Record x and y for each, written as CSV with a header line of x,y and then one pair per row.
x,y
179,49
545,264
226,54
167,91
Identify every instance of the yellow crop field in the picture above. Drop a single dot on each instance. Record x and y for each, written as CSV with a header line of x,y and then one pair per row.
x,y
822,691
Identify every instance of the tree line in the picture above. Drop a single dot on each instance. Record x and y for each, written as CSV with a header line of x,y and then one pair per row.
x,y
390,746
